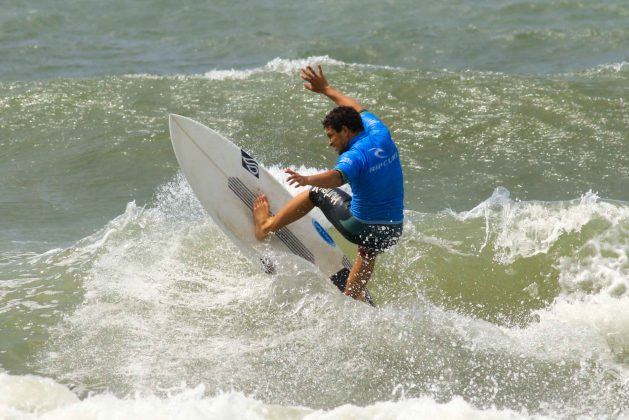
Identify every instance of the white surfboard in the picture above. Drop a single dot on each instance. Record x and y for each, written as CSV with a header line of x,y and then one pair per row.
x,y
226,180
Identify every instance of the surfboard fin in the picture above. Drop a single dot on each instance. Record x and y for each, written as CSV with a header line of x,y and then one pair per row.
x,y
340,280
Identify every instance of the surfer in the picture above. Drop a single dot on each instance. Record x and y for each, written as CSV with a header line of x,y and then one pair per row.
x,y
369,162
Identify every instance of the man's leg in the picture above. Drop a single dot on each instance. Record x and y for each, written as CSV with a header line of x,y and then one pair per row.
x,y
266,223
360,273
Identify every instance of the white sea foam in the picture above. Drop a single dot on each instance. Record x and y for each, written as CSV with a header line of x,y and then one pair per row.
x,y
601,265
137,272
277,65
167,297
31,397
31,394
595,293
592,333
616,67
288,66
524,229
608,68
285,66
588,320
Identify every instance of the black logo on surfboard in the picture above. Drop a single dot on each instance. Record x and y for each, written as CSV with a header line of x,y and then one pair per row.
x,y
250,164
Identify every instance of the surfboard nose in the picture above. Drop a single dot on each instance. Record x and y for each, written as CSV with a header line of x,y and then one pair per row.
x,y
172,118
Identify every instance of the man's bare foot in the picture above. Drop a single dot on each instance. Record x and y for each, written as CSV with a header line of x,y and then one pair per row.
x,y
261,214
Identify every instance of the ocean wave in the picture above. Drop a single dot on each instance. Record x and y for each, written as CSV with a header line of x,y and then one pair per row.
x,y
615,67
522,229
291,67
165,271
620,67
581,247
285,66
277,65
32,397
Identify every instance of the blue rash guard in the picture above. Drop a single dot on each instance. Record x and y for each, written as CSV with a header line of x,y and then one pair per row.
x,y
372,167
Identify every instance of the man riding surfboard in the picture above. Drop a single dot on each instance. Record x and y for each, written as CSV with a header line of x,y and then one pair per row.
x,y
369,161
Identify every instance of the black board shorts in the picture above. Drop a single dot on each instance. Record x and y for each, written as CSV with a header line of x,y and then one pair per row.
x,y
335,205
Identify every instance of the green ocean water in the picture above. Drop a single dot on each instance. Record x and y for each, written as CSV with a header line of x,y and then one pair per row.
x,y
506,297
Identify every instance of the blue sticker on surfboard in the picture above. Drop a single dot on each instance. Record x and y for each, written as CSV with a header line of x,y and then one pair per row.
x,y
326,237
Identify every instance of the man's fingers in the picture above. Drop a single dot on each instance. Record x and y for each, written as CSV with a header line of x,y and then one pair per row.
x,y
295,178
312,74
292,175
294,182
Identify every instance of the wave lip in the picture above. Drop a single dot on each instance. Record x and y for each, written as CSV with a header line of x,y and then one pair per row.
x,y
285,66
524,229
277,65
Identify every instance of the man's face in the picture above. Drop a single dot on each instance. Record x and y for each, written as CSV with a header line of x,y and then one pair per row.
x,y
339,140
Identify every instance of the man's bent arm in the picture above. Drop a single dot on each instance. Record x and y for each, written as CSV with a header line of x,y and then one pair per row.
x,y
317,82
327,179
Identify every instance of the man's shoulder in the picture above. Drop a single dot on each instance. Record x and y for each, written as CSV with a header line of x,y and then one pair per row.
x,y
347,158
373,125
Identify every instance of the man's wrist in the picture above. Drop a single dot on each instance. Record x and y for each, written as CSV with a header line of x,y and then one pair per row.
x,y
328,91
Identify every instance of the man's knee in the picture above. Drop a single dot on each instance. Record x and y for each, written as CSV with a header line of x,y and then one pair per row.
x,y
315,195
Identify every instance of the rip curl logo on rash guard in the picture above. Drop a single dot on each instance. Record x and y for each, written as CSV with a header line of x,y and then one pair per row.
x,y
384,163
378,152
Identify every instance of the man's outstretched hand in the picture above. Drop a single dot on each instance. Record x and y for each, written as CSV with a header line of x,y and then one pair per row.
x,y
295,179
315,81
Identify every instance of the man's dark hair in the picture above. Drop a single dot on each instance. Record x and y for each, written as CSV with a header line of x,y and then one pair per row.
x,y
343,116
